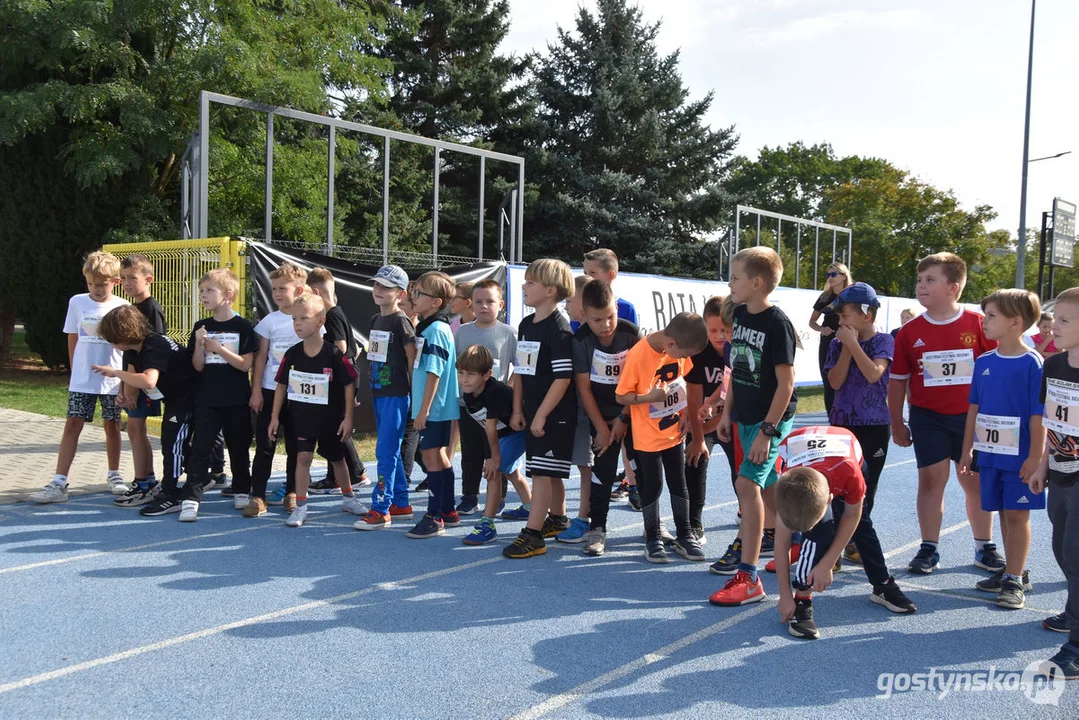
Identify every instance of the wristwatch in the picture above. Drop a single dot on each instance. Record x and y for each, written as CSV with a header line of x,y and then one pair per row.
x,y
623,417
769,429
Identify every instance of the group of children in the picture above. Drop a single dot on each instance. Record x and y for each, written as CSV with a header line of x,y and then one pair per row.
x,y
586,394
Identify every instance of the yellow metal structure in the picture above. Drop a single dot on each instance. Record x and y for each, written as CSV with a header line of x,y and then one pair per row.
x,y
178,265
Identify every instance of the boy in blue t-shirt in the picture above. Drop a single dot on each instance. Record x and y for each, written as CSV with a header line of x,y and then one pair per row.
x,y
434,399
1004,424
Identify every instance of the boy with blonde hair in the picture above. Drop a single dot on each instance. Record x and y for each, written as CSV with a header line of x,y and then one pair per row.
x,y
544,403
86,388
934,355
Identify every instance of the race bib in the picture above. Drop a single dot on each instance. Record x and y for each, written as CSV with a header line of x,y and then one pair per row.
x,y
947,367
1062,407
378,346
230,341
996,434
88,328
312,388
278,349
495,367
527,357
419,352
480,416
673,402
807,448
607,368
154,394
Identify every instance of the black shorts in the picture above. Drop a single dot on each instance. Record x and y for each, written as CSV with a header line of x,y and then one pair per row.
x,y
936,436
551,455
329,445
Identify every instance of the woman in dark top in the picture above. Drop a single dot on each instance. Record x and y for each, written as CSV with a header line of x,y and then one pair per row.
x,y
837,279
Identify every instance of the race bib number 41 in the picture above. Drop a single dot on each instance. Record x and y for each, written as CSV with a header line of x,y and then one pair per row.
x,y
807,448
312,388
947,367
996,434
675,401
1062,407
527,357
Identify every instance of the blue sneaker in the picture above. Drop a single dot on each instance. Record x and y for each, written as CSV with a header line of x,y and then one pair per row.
x,y
483,533
277,497
518,513
728,564
469,505
428,527
989,559
575,532
925,561
768,545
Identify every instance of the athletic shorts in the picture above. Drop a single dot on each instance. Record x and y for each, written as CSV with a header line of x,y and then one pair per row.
x,y
582,443
550,455
936,436
1003,490
144,407
512,449
82,405
329,445
767,473
814,544
435,435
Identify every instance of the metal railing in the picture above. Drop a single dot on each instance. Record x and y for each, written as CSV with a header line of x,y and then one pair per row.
x,y
734,241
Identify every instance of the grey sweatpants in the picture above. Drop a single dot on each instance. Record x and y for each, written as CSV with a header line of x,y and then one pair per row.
x,y
1063,507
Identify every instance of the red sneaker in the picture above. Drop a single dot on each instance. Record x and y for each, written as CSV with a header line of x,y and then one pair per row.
x,y
400,512
796,550
451,518
739,590
373,520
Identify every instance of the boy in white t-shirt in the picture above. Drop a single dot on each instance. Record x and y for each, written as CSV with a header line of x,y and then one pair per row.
x,y
276,335
87,388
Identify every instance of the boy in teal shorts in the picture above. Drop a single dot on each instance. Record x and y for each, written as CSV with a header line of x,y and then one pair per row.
x,y
762,390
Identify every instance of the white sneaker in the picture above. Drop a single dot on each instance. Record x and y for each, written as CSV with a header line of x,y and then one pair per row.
x,y
239,502
189,511
51,493
296,518
117,486
354,506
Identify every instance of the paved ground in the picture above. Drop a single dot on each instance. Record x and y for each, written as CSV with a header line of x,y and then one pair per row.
x,y
107,614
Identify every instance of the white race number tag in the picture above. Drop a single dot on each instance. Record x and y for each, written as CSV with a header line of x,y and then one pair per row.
x,y
1062,407
996,434
88,328
313,388
807,448
419,351
947,367
527,357
674,402
278,349
606,367
154,394
379,345
230,341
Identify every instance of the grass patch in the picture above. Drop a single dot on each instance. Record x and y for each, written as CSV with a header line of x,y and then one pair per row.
x,y
26,384
811,399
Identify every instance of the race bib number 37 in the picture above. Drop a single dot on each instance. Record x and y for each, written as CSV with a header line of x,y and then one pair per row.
x,y
947,367
312,388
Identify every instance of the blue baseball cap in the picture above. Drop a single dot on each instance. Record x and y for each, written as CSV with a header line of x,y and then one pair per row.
x,y
392,276
858,294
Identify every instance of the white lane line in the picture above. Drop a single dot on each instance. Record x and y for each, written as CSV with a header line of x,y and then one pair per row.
x,y
561,700
208,632
904,462
917,543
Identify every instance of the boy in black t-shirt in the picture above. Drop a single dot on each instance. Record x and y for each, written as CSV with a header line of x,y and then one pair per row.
x,y
600,346
318,382
545,403
339,333
136,275
490,404
162,369
223,348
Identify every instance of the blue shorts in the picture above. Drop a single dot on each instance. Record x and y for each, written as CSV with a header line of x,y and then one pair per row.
x,y
936,436
144,407
1003,490
435,435
767,473
512,449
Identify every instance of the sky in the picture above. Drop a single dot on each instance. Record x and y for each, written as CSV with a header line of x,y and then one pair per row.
x,y
936,87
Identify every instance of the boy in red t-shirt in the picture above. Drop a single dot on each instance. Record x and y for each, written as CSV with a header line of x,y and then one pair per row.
x,y
935,353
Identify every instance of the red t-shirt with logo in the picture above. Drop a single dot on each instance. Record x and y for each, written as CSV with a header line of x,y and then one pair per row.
x,y
833,452
938,359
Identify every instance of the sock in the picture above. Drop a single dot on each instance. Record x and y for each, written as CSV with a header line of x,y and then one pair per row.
x,y
60,480
931,544
114,473
979,545
750,569
142,484
348,494
1013,578
770,533
150,477
808,598
301,500
527,506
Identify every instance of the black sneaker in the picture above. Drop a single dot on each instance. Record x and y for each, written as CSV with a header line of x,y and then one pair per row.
x,y
227,491
422,487
925,561
525,545
621,489
988,558
325,486
1011,595
992,584
1067,663
634,498
689,548
1056,623
890,596
469,505
802,625
654,552
220,479
161,505
768,544
554,524
136,498
728,564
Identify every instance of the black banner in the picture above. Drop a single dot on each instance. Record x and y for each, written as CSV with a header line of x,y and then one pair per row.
x,y
353,286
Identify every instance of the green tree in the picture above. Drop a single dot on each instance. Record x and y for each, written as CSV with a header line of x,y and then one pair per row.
x,y
620,154
98,99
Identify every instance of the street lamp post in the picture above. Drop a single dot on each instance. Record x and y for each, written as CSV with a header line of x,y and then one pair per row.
x,y
1021,250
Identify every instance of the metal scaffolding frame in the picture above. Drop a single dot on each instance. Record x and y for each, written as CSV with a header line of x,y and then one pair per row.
x,y
194,200
735,239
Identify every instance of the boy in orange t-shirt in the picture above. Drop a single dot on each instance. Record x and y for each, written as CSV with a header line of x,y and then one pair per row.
x,y
653,387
